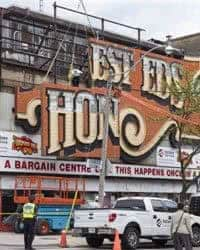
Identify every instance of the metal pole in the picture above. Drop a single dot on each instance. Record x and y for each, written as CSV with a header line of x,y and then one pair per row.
x,y
139,37
102,173
41,6
100,18
55,41
102,27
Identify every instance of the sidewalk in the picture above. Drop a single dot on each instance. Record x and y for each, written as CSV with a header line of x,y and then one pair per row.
x,y
12,241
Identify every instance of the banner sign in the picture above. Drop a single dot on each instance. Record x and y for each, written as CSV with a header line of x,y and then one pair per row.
x,y
42,166
168,157
17,144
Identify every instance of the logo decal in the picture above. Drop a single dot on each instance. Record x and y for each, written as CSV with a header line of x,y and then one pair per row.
x,y
159,222
25,145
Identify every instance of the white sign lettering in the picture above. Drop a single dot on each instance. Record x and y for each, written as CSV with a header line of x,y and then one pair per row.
x,y
158,75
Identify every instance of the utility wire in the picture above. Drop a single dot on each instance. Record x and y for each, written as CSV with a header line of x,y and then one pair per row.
x,y
70,74
57,52
61,43
73,49
74,42
53,61
88,19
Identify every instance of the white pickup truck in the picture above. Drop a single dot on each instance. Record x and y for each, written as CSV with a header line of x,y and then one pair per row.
x,y
134,218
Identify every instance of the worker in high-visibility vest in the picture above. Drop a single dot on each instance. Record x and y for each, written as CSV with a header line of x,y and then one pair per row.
x,y
29,218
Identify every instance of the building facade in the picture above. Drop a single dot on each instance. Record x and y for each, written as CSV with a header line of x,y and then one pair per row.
x,y
51,120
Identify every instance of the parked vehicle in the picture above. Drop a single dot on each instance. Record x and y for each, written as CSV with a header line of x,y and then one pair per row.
x,y
133,217
194,209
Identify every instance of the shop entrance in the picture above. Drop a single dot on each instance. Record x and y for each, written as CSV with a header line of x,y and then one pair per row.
x,y
8,205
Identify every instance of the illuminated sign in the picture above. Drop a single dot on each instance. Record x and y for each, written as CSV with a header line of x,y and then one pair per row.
x,y
72,120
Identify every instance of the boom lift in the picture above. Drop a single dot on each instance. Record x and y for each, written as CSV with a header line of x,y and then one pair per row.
x,y
54,197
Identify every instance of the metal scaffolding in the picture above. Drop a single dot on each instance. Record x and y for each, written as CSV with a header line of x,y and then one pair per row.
x,y
30,40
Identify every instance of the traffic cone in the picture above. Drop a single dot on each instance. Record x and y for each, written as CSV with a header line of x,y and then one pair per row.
x,y
117,241
63,239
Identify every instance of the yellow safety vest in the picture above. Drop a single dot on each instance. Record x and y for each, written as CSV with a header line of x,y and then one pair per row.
x,y
29,211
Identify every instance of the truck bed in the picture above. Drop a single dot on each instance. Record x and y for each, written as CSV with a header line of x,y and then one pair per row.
x,y
93,217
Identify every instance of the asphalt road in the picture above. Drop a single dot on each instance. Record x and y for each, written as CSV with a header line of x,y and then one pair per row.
x,y
12,241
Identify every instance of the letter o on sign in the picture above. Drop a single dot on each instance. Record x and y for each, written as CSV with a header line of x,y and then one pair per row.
x,y
133,129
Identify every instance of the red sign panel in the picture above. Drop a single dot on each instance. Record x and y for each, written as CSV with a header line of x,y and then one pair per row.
x,y
72,118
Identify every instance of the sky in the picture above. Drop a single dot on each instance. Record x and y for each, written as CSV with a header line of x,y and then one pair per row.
x,y
158,17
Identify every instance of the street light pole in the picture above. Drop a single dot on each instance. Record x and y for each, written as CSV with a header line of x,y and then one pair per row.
x,y
103,168
168,50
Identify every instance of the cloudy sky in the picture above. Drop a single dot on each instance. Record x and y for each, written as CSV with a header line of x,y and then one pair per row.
x,y
158,17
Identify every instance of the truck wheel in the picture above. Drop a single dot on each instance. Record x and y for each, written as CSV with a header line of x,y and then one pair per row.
x,y
94,241
42,227
130,239
196,236
18,226
159,243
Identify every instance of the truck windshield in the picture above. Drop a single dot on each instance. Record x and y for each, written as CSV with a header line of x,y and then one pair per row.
x,y
130,204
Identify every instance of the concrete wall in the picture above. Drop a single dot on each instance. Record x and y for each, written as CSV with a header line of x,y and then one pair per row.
x,y
116,185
